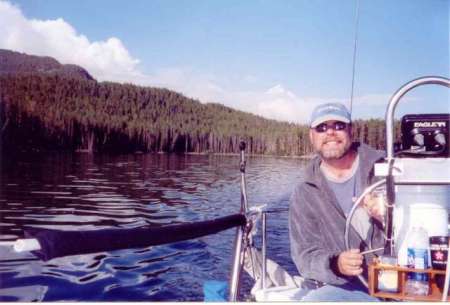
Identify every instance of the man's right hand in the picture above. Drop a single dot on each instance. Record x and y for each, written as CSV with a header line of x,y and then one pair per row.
x,y
349,262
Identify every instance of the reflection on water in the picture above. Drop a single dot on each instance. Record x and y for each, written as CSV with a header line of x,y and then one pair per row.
x,y
85,192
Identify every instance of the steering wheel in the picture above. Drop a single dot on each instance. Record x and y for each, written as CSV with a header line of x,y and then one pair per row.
x,y
350,215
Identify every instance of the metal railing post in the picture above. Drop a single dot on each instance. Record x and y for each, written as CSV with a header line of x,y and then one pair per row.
x,y
238,258
264,253
237,266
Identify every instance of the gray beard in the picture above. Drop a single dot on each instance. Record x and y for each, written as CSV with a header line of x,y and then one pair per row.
x,y
334,154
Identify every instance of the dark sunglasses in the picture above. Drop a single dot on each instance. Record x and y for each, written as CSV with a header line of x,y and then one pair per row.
x,y
336,126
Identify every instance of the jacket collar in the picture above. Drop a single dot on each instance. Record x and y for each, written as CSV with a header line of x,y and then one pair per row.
x,y
367,157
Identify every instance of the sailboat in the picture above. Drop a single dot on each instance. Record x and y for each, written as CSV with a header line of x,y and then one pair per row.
x,y
425,150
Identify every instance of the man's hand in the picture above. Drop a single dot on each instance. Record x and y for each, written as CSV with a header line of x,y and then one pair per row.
x,y
375,206
349,262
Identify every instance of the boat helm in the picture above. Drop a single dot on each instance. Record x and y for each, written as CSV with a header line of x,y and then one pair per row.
x,y
416,177
425,142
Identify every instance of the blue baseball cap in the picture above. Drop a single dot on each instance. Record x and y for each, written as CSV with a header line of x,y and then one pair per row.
x,y
330,112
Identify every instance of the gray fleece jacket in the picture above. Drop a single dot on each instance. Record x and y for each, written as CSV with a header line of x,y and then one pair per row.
x,y
317,222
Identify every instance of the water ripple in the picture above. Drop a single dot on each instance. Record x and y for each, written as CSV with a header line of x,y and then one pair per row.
x,y
85,192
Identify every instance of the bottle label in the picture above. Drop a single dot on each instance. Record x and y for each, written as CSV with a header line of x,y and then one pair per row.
x,y
418,259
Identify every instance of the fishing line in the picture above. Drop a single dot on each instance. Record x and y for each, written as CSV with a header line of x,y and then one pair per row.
x,y
355,44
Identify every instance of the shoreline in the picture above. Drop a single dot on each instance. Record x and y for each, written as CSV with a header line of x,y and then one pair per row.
x,y
88,152
306,157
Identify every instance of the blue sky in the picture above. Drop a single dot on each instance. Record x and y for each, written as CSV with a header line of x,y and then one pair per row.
x,y
277,59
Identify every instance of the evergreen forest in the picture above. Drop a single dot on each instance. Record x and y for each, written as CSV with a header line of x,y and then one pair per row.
x,y
46,106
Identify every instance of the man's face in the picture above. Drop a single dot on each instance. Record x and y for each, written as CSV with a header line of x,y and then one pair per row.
x,y
331,139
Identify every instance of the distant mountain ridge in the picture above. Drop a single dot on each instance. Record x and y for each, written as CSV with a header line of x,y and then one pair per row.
x,y
15,62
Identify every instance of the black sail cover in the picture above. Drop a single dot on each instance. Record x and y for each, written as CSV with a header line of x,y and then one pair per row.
x,y
56,243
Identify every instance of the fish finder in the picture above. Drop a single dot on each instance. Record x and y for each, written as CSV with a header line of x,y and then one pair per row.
x,y
426,135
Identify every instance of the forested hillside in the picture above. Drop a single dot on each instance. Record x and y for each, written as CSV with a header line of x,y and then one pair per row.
x,y
48,106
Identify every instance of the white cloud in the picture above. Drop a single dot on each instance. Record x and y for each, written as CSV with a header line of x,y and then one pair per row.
x,y
188,81
110,60
280,104
105,60
381,99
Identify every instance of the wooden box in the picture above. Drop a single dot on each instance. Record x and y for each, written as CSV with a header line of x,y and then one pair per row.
x,y
435,293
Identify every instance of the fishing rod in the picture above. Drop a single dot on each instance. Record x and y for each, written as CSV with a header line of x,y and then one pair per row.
x,y
355,44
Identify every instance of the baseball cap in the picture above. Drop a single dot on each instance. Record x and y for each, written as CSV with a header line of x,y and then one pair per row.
x,y
329,112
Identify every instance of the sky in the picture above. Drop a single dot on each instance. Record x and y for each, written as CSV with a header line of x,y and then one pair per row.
x,y
278,58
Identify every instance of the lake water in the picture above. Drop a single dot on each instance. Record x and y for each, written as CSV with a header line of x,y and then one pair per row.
x,y
90,192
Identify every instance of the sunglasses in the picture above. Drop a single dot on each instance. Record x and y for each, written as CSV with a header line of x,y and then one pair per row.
x,y
336,126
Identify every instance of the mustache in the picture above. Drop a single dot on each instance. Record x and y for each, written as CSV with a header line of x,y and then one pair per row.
x,y
331,140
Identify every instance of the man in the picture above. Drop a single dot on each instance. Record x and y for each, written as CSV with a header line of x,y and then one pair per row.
x,y
320,204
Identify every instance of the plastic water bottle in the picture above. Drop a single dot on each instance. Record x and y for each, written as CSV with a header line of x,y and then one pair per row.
x,y
418,258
